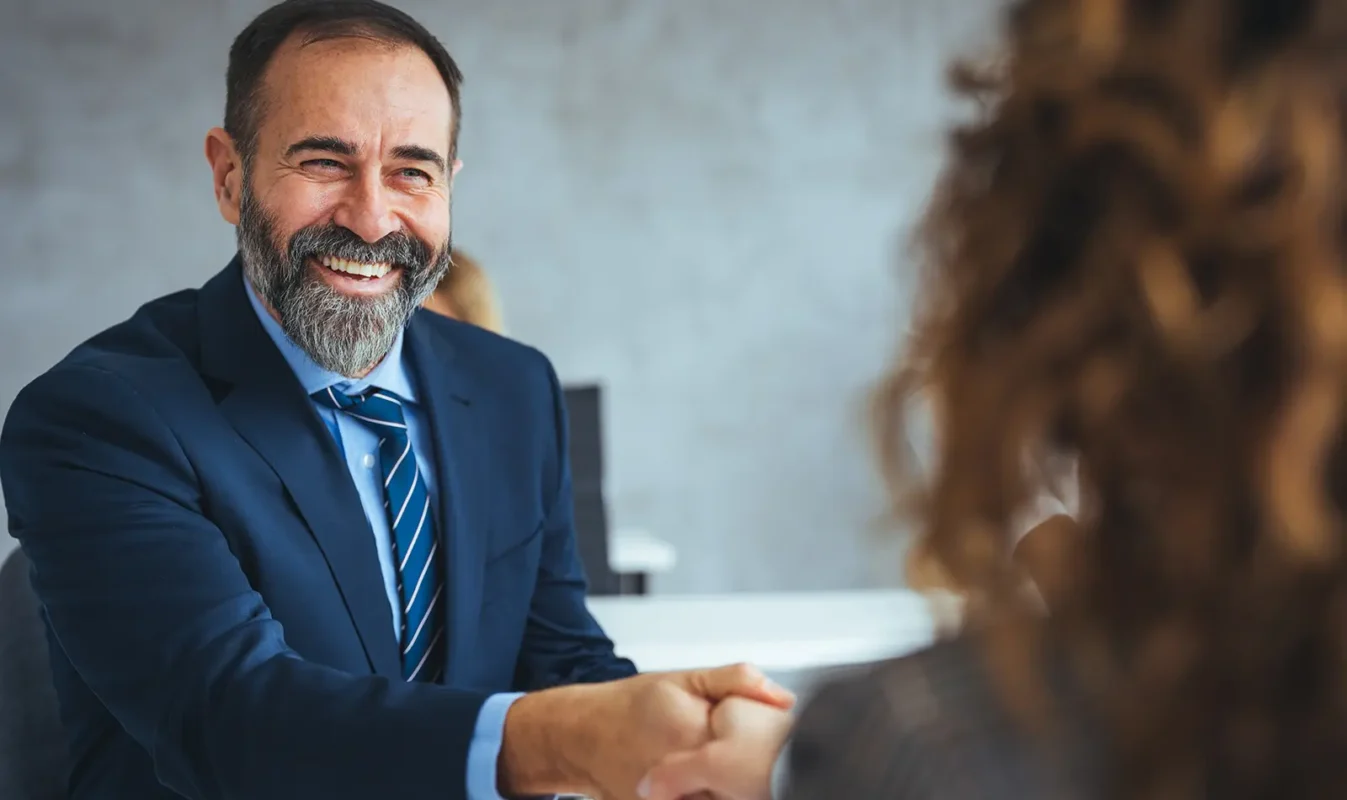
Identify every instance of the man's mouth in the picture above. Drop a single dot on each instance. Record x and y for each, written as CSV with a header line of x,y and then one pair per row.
x,y
356,278
356,269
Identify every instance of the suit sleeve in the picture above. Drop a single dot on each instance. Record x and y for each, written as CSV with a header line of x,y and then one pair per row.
x,y
154,612
563,643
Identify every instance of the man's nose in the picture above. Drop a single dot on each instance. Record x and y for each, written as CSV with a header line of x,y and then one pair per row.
x,y
365,211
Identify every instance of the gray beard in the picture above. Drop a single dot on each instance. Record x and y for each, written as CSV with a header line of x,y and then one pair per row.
x,y
342,334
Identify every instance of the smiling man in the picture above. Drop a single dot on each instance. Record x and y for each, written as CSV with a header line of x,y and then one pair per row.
x,y
294,537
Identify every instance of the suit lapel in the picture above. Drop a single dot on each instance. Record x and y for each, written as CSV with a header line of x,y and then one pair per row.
x,y
459,443
269,409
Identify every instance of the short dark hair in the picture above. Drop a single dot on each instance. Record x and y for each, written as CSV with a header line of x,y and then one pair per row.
x,y
320,20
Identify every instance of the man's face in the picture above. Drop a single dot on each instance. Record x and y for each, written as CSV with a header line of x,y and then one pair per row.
x,y
344,214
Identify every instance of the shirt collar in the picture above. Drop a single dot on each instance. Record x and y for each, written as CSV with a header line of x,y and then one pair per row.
x,y
391,374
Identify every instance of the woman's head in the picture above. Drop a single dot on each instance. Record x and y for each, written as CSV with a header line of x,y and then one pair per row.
x,y
1135,260
466,294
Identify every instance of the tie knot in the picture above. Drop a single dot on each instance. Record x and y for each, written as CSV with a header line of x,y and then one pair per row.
x,y
375,407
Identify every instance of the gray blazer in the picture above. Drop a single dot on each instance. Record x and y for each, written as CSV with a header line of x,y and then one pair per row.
x,y
925,726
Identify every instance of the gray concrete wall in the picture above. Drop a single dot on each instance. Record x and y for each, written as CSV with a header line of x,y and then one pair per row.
x,y
698,203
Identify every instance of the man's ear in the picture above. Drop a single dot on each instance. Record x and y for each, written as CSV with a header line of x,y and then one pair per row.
x,y
226,167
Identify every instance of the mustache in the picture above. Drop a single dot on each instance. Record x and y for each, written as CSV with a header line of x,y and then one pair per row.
x,y
398,248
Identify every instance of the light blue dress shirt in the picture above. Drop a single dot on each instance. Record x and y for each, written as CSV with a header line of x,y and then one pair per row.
x,y
361,449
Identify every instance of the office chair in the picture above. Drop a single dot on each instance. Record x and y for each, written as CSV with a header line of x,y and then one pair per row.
x,y
34,761
584,409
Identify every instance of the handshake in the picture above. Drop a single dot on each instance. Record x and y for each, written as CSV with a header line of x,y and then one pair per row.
x,y
657,736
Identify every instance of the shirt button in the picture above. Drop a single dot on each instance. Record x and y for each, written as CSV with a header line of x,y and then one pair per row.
x,y
368,461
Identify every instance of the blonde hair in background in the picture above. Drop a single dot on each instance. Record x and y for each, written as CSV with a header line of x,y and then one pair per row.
x,y
466,294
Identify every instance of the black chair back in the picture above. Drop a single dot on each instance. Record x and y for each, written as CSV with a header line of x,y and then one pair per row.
x,y
585,411
34,759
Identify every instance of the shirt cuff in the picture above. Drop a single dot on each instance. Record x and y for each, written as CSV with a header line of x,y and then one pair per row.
x,y
484,751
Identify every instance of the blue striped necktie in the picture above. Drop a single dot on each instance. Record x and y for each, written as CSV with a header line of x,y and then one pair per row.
x,y
416,549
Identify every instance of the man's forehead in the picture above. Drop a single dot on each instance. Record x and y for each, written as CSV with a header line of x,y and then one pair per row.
x,y
356,82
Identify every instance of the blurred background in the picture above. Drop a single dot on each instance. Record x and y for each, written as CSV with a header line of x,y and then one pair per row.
x,y
700,207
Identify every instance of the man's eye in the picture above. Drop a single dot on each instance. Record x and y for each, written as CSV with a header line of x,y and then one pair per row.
x,y
415,174
323,163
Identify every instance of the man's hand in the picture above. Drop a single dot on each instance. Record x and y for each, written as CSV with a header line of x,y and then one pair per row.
x,y
600,740
736,764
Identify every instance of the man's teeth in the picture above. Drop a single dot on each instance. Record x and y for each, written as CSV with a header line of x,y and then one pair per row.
x,y
355,267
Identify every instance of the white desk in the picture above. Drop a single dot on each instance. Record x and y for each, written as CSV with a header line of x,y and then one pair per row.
x,y
782,632
632,551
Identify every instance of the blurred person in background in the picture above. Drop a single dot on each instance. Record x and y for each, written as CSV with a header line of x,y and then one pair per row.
x,y
465,293
1136,263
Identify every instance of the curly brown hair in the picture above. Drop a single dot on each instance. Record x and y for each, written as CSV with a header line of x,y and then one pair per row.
x,y
1135,260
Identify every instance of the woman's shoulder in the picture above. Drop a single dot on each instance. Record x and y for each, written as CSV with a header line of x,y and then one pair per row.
x,y
942,685
929,724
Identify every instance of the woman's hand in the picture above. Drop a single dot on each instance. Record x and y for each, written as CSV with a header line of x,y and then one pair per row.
x,y
736,764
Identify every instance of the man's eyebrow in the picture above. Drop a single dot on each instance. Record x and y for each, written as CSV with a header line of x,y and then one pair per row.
x,y
329,144
332,144
415,152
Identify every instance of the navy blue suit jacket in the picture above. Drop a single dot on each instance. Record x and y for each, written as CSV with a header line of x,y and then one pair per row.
x,y
219,624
